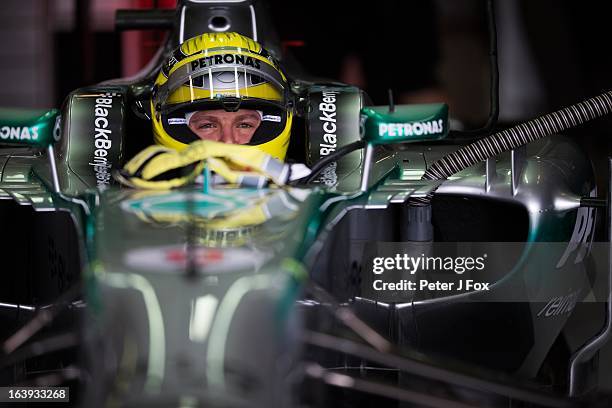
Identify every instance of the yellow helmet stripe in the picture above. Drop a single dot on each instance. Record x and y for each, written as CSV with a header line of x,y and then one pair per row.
x,y
211,40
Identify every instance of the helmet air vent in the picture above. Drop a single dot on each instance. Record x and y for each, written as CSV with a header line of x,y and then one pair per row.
x,y
219,23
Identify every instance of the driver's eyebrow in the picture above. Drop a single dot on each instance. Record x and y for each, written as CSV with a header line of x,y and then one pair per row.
x,y
206,117
214,118
248,116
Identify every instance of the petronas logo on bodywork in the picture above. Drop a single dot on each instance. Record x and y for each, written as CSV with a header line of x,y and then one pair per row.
x,y
432,127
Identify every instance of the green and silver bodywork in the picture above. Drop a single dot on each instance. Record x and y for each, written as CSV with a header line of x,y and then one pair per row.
x,y
186,285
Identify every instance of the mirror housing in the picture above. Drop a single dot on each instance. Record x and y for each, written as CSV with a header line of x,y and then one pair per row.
x,y
405,123
28,127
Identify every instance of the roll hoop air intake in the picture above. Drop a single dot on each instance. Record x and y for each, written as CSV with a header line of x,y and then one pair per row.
x,y
513,138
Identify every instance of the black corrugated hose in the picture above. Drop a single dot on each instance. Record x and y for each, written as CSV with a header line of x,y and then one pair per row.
x,y
514,137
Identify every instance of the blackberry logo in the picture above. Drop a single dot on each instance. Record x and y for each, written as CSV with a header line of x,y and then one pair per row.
x,y
102,139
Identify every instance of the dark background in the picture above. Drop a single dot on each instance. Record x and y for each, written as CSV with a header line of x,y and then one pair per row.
x,y
551,53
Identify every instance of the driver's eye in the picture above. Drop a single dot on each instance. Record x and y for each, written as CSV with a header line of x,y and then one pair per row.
x,y
245,125
205,125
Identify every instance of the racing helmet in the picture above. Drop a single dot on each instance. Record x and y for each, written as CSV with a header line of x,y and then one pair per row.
x,y
222,72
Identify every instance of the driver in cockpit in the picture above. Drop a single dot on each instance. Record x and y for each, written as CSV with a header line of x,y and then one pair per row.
x,y
220,100
224,88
